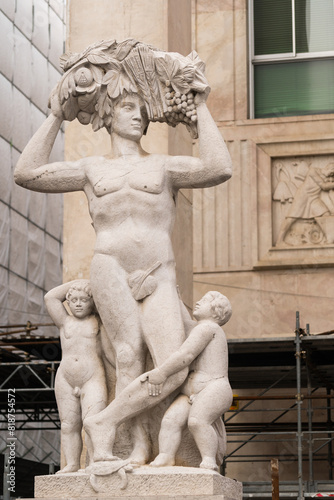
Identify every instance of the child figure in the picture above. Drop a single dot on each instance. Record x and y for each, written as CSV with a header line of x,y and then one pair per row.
x,y
206,394
80,384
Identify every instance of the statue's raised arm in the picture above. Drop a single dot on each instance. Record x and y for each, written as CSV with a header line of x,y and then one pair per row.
x,y
214,165
33,170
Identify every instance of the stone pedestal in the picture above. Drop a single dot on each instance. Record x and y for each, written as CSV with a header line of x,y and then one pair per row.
x,y
179,483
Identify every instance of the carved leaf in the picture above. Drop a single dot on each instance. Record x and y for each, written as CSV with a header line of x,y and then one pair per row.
x,y
118,83
96,122
200,65
124,48
110,77
100,105
188,73
70,109
97,57
64,91
71,83
162,68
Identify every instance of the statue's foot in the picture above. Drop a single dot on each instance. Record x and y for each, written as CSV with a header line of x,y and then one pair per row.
x,y
102,438
69,468
140,454
163,460
138,458
209,463
99,456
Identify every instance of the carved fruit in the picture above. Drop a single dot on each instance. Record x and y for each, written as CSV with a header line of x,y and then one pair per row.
x,y
84,117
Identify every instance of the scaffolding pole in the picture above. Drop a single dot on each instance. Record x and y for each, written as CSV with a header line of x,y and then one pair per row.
x,y
299,402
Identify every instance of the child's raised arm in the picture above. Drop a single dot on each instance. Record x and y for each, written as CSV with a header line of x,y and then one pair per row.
x,y
54,302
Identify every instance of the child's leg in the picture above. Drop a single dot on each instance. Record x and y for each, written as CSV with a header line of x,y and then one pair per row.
x,y
94,399
208,405
71,424
172,425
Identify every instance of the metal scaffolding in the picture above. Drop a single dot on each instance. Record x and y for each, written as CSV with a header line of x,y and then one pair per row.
x,y
304,363
294,376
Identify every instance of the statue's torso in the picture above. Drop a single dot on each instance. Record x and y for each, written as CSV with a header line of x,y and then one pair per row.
x,y
132,207
80,350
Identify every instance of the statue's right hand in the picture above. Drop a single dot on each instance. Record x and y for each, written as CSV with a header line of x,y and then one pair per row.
x,y
155,381
54,103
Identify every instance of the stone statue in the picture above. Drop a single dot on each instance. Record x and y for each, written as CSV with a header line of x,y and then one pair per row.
x,y
131,196
80,385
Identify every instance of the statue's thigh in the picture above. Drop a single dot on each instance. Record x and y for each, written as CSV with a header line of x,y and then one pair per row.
x,y
113,299
211,402
162,323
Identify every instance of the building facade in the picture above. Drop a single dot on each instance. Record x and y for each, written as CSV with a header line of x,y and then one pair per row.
x,y
265,238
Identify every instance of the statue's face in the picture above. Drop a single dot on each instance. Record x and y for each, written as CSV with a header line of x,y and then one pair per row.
x,y
80,304
202,308
130,117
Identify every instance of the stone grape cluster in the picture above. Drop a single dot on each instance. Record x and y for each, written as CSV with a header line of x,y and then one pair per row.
x,y
181,107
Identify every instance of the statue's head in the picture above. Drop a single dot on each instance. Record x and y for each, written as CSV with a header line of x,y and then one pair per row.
x,y
80,299
129,116
213,305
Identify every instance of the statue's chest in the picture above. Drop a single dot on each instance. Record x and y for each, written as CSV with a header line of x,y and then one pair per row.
x,y
106,181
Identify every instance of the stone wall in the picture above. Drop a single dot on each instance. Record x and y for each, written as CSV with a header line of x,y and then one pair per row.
x,y
236,225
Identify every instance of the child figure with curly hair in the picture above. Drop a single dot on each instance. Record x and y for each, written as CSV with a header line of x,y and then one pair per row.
x,y
80,384
206,394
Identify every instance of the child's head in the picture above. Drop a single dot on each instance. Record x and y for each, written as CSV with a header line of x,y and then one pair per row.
x,y
80,299
214,305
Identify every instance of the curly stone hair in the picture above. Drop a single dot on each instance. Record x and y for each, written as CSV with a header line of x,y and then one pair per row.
x,y
83,286
220,306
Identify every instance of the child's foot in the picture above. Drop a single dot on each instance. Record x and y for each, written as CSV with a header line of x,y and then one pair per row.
x,y
69,468
209,463
163,460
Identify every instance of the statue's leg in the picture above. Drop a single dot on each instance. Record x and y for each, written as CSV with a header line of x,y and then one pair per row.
x,y
122,340
207,406
173,423
71,423
94,399
162,324
162,321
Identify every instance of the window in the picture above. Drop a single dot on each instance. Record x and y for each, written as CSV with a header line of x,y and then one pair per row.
x,y
292,57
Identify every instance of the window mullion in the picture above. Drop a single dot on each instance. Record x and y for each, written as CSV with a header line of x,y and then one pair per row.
x,y
251,57
293,17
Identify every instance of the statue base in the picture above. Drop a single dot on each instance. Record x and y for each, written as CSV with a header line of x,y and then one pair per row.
x,y
177,483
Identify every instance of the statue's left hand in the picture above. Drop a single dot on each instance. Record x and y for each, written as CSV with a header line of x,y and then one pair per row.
x,y
201,97
54,103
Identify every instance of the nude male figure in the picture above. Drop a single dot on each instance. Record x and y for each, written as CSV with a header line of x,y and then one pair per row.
x,y
132,200
80,384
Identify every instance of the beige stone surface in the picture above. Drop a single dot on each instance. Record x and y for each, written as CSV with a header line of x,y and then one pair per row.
x,y
265,302
221,40
146,482
155,497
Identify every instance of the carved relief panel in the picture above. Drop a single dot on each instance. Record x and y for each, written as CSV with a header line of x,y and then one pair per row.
x,y
303,201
